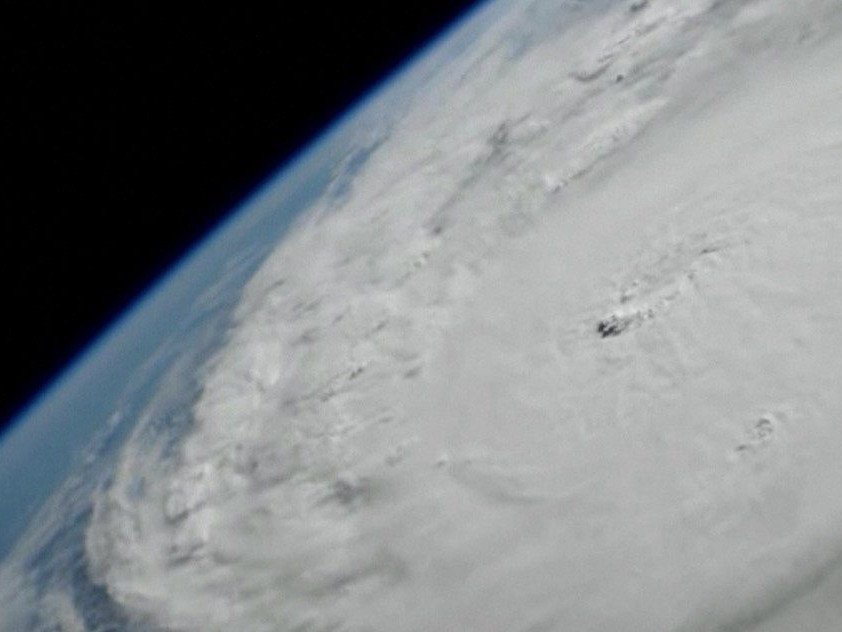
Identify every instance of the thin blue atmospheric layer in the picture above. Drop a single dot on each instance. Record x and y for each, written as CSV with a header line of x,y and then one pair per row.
x,y
77,424
142,376
141,379
80,419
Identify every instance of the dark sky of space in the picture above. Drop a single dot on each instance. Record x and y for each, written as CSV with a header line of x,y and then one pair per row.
x,y
130,128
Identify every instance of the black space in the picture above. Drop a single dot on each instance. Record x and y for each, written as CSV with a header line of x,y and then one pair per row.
x,y
129,129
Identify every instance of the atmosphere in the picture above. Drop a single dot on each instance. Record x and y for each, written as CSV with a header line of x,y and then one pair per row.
x,y
542,335
131,132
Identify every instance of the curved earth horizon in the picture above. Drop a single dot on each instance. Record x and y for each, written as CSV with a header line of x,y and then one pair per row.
x,y
543,335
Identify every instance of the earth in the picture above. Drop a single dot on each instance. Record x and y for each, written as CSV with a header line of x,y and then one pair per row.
x,y
543,335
